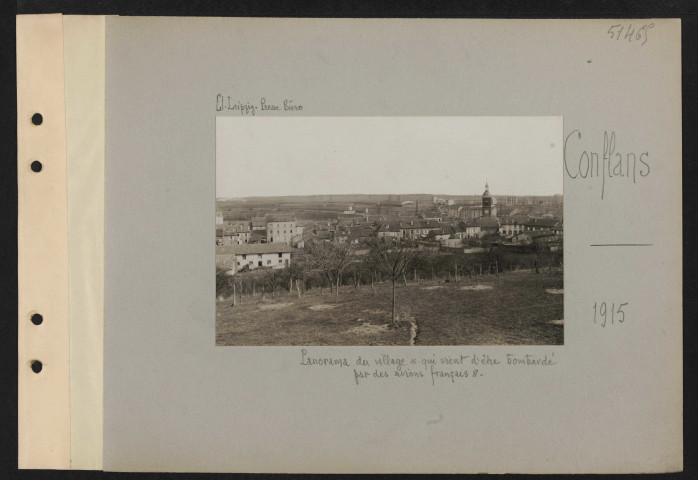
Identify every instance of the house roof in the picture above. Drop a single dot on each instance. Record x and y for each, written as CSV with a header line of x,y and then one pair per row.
x,y
432,224
323,234
386,227
421,224
361,231
258,235
253,248
487,222
542,233
535,234
233,229
543,222
280,218
514,220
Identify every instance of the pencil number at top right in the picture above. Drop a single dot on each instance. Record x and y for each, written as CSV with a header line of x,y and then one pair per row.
x,y
630,33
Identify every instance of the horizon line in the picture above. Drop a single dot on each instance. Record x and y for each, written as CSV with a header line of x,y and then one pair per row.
x,y
399,194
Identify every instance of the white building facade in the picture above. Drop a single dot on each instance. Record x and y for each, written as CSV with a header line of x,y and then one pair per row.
x,y
254,255
281,232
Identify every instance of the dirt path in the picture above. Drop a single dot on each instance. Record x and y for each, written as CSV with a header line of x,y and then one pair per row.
x,y
322,306
274,306
369,329
414,328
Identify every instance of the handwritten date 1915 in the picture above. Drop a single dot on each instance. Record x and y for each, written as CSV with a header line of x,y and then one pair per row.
x,y
604,313
630,33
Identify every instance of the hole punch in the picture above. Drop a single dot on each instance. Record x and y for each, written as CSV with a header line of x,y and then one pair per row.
x,y
36,366
36,166
37,119
37,319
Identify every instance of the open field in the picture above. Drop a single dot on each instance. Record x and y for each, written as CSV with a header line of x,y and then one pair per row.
x,y
517,308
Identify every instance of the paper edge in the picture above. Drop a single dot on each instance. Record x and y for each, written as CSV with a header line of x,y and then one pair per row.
x,y
84,56
43,415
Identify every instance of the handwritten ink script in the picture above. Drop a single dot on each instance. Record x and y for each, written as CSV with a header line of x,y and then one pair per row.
x,y
629,33
606,312
603,163
245,108
430,368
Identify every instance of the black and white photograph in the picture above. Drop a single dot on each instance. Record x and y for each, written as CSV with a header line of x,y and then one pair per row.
x,y
392,231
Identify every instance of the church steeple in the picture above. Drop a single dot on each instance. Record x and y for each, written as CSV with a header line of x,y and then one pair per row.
x,y
486,193
489,208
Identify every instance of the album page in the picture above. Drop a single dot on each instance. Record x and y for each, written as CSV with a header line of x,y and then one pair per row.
x,y
380,246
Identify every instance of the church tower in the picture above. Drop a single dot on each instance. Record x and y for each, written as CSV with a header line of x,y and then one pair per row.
x,y
489,203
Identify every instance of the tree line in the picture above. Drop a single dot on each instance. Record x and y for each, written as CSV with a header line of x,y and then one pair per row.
x,y
330,266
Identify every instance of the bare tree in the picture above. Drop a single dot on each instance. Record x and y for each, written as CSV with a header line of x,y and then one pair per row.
x,y
467,265
294,274
450,264
344,255
332,259
373,264
396,258
270,280
496,257
536,253
222,282
235,296
321,255
358,269
424,262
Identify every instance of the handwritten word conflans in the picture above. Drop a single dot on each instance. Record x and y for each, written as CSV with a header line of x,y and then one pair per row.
x,y
605,164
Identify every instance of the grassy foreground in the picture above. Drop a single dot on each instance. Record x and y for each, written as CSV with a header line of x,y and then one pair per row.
x,y
518,308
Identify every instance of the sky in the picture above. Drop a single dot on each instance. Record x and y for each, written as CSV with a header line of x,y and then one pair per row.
x,y
268,156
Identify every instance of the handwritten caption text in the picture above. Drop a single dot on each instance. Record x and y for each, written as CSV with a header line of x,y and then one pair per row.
x,y
430,368
246,108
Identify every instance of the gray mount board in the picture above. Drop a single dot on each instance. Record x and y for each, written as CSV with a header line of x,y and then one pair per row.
x,y
175,402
